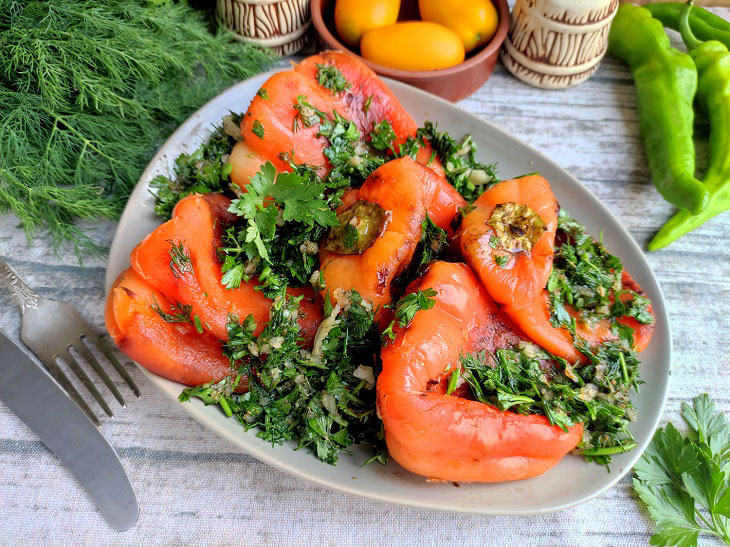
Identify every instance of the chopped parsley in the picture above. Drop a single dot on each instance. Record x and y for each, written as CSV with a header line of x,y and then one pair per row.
x,y
406,309
501,260
523,380
470,177
263,93
587,278
294,197
308,113
205,170
323,400
382,136
330,77
258,129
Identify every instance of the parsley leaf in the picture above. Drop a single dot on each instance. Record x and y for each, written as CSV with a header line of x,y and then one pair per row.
x,y
296,198
407,307
685,480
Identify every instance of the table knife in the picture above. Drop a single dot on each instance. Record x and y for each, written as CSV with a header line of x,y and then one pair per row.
x,y
35,397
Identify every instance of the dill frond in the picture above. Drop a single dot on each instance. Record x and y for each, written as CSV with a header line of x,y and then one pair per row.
x,y
88,91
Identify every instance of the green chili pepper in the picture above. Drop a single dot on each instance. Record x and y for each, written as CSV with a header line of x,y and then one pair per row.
x,y
666,81
705,25
713,95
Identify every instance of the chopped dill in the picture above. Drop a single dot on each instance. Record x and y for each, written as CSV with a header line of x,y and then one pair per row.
x,y
180,262
179,313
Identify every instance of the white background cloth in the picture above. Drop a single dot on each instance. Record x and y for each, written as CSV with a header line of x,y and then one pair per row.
x,y
194,487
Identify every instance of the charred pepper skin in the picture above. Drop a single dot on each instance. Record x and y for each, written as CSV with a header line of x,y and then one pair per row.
x,y
705,25
666,81
713,95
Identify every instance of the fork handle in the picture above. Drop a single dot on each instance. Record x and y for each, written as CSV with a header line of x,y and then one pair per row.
x,y
23,294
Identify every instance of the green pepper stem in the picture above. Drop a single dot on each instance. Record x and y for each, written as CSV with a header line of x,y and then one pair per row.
x,y
690,40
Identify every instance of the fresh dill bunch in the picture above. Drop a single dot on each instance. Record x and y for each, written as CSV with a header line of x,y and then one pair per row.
x,y
88,91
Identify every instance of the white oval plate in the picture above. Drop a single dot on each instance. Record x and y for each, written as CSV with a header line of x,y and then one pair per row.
x,y
572,481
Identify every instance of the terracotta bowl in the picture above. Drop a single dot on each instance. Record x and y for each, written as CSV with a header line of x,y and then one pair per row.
x,y
451,83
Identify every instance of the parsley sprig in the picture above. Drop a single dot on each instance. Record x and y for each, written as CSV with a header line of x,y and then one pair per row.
x,y
295,198
685,480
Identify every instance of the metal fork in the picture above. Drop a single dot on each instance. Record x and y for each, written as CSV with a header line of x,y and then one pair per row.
x,y
50,329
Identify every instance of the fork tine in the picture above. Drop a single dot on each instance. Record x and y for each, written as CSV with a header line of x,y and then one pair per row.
x,y
78,371
82,350
93,338
66,384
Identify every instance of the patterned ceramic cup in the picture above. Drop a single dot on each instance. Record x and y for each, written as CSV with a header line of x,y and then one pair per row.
x,y
557,43
278,24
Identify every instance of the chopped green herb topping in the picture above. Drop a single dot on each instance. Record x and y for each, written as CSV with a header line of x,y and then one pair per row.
x,y
308,113
323,400
258,129
263,93
406,309
179,313
301,200
522,380
205,170
281,233
330,77
501,260
382,136
470,177
348,155
179,259
587,278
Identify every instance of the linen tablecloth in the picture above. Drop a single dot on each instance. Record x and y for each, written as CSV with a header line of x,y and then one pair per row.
x,y
193,487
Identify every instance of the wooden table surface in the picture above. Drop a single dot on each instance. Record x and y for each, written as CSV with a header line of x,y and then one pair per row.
x,y
194,487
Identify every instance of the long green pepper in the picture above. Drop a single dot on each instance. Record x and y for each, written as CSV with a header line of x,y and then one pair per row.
x,y
712,59
705,25
666,81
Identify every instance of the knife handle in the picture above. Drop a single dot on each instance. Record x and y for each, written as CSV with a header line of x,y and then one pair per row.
x,y
23,294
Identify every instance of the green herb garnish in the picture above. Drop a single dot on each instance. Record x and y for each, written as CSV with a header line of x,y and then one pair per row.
x,y
470,177
382,136
587,278
301,200
258,129
406,309
685,480
323,400
179,259
205,170
179,313
522,380
263,93
330,77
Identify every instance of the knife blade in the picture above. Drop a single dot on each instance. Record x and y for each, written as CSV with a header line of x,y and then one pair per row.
x,y
35,397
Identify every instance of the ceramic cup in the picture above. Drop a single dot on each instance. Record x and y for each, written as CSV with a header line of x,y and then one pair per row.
x,y
557,43
278,24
